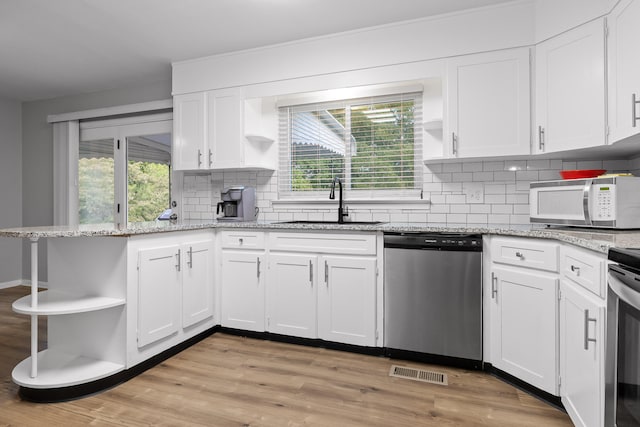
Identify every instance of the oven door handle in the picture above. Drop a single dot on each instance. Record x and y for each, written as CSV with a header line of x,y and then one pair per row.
x,y
624,292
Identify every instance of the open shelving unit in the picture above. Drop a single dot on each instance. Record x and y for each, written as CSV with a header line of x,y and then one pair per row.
x,y
85,305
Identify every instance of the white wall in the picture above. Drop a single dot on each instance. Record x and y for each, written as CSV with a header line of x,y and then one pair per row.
x,y
37,148
10,190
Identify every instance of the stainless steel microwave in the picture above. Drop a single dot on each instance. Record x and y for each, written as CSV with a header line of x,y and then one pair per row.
x,y
612,202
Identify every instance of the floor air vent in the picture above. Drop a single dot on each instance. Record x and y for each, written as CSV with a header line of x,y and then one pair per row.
x,y
418,375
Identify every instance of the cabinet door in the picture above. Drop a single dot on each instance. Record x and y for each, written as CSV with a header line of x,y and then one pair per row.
x,y
347,300
243,292
197,282
158,293
524,325
488,104
570,90
624,70
582,360
189,143
224,118
291,294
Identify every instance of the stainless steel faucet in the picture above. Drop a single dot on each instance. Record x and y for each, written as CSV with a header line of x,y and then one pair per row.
x,y
342,211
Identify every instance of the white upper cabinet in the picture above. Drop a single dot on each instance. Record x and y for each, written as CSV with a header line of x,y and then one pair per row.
x,y
189,130
570,90
224,109
624,70
488,105
221,130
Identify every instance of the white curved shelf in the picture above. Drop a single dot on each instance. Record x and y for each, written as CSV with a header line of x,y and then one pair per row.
x,y
258,138
58,369
432,124
51,303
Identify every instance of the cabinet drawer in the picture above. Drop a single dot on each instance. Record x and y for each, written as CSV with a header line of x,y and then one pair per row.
x,y
584,267
242,239
525,253
360,243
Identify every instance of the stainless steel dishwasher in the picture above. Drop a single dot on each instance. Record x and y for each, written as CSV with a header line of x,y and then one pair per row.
x,y
433,298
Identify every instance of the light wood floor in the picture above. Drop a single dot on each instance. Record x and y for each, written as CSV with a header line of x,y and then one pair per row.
x,y
232,381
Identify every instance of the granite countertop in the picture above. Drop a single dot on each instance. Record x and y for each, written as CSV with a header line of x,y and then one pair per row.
x,y
599,240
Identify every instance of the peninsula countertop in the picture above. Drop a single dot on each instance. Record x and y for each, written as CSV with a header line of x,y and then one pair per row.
x,y
600,240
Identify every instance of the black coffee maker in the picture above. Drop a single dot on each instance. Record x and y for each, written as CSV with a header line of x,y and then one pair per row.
x,y
238,204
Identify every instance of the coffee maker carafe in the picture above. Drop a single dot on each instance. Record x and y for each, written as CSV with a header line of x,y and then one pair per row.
x,y
238,204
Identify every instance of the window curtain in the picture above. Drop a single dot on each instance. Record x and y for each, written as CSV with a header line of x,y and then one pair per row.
x,y
66,137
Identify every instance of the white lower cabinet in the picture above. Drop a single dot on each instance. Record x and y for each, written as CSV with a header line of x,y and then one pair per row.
x,y
243,289
582,350
323,285
347,300
582,335
158,291
524,326
172,299
292,294
197,281
168,275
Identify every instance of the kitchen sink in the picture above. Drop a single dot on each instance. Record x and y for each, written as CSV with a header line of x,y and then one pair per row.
x,y
332,222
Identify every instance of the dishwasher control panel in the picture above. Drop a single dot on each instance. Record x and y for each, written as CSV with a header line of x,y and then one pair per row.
x,y
434,241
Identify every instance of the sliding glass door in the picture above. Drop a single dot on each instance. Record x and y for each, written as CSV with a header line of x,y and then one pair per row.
x,y
124,170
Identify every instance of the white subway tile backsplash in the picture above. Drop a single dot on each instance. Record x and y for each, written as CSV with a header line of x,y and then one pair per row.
x,y
517,198
505,185
504,176
498,219
477,218
494,189
495,199
462,177
493,166
466,208
537,164
452,187
501,209
482,176
456,218
589,164
456,198
527,176
480,209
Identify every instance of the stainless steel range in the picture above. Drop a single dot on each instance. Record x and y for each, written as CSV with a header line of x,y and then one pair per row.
x,y
622,396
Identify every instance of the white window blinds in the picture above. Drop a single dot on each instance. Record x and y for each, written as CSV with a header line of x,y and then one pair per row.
x,y
373,144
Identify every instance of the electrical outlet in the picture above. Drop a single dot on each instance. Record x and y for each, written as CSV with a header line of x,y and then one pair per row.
x,y
474,192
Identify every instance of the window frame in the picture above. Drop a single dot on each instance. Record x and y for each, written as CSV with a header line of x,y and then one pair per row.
x,y
285,172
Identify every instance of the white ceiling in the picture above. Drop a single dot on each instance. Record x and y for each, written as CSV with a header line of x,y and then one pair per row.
x,y
57,48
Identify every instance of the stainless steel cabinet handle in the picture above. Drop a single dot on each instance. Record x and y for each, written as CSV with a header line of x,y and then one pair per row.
x,y
494,285
311,272
190,262
541,138
575,270
326,273
588,319
199,158
634,109
519,255
178,262
454,144
258,267
210,158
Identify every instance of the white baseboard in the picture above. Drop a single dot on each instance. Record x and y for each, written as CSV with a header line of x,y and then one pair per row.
x,y
21,282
